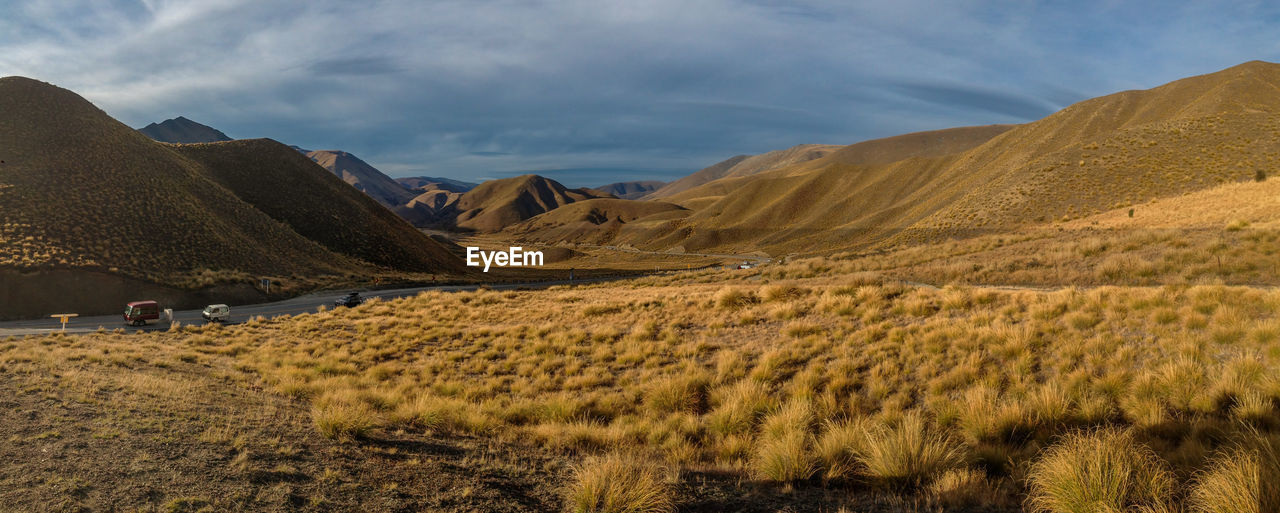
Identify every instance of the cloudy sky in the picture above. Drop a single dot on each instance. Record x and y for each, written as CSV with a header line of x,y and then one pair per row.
x,y
595,91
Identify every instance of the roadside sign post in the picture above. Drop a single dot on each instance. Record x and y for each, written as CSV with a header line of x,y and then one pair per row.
x,y
64,318
266,285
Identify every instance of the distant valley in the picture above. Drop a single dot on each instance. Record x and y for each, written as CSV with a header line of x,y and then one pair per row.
x,y
251,201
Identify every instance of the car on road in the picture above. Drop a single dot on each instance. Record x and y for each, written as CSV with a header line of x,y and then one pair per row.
x,y
139,313
350,300
216,313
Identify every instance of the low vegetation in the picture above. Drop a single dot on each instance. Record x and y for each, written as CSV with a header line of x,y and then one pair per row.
x,y
971,397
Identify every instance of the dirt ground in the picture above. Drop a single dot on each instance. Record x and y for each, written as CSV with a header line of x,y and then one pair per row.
x,y
161,435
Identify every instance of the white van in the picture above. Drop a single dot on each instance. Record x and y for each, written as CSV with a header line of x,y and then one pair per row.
x,y
216,313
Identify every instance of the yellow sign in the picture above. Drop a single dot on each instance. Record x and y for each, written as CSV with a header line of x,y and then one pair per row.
x,y
64,318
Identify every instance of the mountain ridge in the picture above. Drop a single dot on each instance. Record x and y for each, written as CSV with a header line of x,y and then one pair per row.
x,y
183,131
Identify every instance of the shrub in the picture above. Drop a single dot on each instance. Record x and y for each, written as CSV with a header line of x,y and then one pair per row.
x,y
342,420
1103,470
678,394
785,458
838,447
794,416
733,297
908,454
965,487
619,484
739,407
1243,479
770,293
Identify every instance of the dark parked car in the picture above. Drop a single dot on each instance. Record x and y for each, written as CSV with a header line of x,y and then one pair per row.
x,y
350,300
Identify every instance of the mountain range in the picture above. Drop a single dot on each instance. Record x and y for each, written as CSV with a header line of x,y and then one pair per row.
x,y
1099,154
81,192
1108,152
631,190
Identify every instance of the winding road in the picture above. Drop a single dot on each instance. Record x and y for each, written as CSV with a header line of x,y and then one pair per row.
x,y
298,305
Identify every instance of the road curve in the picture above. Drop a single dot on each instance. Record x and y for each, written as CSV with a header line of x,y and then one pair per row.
x,y
292,306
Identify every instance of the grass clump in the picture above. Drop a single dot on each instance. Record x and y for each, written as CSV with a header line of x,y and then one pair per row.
x,y
619,484
785,458
838,447
909,454
735,297
343,421
1105,470
1243,479
965,487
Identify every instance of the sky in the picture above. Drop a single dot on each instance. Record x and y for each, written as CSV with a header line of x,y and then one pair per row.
x,y
595,91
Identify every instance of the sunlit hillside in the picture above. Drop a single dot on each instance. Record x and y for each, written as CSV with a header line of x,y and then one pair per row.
x,y
1108,152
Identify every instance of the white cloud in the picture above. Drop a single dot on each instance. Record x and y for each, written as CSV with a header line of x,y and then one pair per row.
x,y
659,84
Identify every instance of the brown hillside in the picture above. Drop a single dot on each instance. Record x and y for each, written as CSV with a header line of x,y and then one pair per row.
x,y
1116,150
631,190
434,201
183,130
316,205
365,178
496,204
933,143
429,183
1098,154
745,166
595,220
79,190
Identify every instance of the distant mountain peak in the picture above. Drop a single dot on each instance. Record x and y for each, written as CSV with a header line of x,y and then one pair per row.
x,y
183,130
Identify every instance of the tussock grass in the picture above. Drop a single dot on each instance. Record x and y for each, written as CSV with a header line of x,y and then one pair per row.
x,y
618,483
935,405
965,487
343,421
839,447
1242,479
785,458
735,297
910,453
1104,470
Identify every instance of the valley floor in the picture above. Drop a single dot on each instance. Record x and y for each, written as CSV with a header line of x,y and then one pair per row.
x,y
814,385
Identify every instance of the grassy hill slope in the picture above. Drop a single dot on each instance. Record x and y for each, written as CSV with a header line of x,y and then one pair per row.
x,y
362,176
595,220
1117,150
79,190
291,189
1098,154
496,204
744,165
631,190
183,130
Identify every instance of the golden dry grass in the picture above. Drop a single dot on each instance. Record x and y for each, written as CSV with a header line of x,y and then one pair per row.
x,y
955,399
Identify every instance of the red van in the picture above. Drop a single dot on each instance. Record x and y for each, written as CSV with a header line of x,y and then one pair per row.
x,y
139,313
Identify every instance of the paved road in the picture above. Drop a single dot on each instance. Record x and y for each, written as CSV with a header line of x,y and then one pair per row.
x,y
297,305
751,258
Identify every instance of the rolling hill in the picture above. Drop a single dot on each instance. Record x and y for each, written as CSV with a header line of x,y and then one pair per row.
x,y
316,206
497,204
81,192
363,177
1108,152
595,220
631,190
744,165
429,183
183,130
